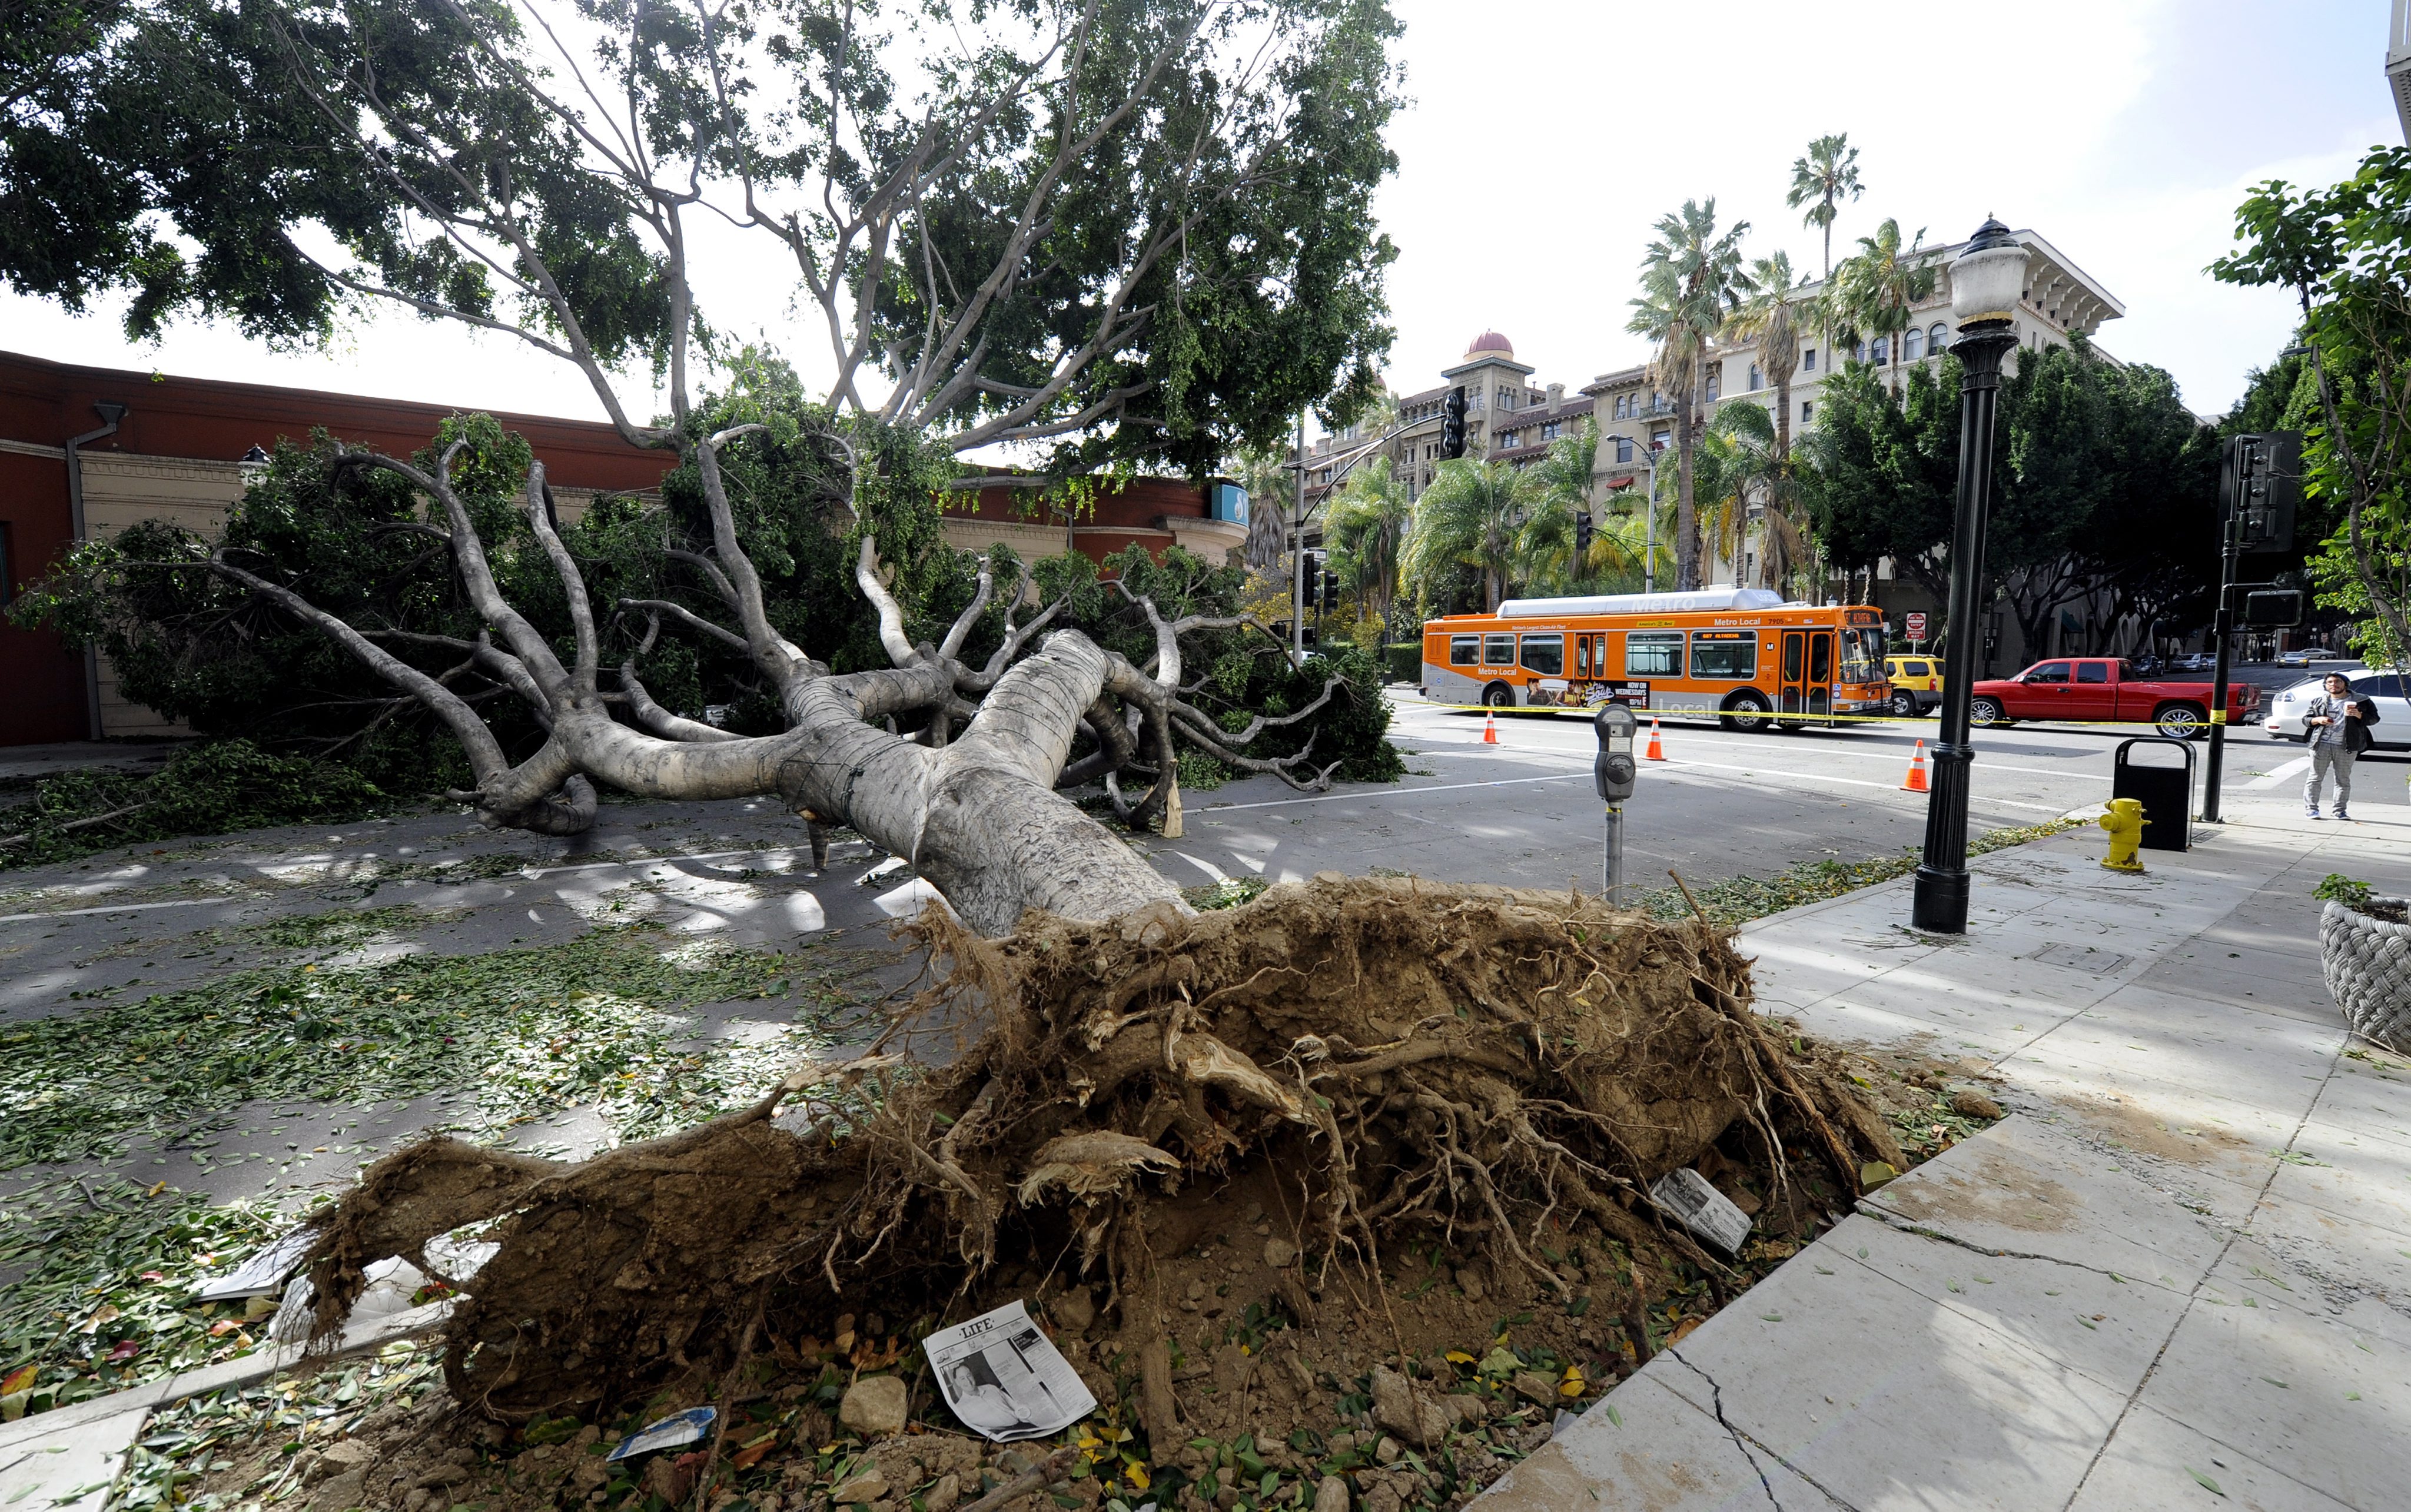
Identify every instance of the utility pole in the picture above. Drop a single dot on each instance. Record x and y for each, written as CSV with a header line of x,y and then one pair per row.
x,y
1297,557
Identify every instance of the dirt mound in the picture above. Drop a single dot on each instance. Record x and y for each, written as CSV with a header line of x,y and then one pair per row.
x,y
1320,1099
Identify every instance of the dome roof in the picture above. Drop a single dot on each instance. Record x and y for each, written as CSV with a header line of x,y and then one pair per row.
x,y
1490,341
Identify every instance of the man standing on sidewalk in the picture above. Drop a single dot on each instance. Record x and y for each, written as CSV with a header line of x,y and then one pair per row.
x,y
2337,731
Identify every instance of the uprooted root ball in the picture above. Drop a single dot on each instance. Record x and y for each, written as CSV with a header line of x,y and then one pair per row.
x,y
1383,1063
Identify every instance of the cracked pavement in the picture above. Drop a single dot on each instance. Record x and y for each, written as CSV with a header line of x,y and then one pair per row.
x,y
2178,1274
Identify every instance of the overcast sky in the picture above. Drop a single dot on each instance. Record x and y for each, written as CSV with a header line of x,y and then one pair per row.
x,y
1544,139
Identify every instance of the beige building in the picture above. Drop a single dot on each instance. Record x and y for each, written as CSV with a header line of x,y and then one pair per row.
x,y
2060,299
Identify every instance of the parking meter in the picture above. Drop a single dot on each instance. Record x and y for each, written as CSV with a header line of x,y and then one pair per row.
x,y
1613,770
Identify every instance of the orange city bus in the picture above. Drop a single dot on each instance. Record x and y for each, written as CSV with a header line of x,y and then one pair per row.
x,y
1741,655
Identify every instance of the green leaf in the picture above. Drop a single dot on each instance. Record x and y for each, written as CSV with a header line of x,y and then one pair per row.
x,y
2207,1484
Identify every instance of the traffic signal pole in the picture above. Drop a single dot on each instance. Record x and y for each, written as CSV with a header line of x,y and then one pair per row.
x,y
2230,524
1297,557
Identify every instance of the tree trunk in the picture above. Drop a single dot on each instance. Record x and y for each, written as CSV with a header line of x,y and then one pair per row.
x,y
1687,518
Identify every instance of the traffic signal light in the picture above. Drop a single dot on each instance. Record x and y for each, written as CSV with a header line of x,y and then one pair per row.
x,y
1581,534
1330,592
2273,609
2261,487
1451,426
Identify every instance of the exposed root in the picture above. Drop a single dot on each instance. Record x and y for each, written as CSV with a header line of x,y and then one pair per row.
x,y
1385,1062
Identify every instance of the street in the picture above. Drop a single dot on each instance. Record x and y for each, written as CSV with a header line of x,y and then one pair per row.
x,y
1522,812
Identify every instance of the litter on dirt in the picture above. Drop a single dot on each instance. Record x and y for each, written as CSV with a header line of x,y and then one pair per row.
x,y
1700,1208
1005,1378
686,1427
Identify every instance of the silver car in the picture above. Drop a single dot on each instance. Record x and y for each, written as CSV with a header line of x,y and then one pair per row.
x,y
2387,689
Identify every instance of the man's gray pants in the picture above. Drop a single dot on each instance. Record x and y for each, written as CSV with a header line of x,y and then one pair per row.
x,y
2329,758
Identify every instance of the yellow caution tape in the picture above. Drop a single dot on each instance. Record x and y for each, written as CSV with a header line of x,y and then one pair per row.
x,y
2216,717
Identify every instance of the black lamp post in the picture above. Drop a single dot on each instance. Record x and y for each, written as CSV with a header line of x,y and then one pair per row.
x,y
1986,282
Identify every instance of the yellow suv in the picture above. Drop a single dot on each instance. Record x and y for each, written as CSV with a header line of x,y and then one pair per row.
x,y
1916,683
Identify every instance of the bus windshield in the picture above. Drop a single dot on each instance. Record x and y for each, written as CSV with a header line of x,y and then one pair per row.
x,y
1863,652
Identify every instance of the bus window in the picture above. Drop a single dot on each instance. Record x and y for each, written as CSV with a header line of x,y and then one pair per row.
x,y
1862,655
1653,653
1464,651
1724,653
1821,659
1546,655
1498,650
1582,656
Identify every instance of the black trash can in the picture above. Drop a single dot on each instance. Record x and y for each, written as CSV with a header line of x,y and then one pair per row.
x,y
2164,791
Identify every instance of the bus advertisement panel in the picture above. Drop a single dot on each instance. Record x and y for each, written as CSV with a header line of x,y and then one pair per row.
x,y
1742,656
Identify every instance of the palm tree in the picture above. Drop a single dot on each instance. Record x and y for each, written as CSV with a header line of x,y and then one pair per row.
x,y
1366,528
1770,318
1821,181
1876,292
1689,287
1469,516
1264,473
1739,470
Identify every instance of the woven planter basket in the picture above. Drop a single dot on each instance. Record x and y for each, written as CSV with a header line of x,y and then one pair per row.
x,y
2368,966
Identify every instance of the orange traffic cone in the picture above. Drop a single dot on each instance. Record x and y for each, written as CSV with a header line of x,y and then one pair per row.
x,y
1656,752
1490,729
1915,781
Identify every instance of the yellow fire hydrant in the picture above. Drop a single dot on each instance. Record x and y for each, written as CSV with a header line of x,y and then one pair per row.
x,y
2125,821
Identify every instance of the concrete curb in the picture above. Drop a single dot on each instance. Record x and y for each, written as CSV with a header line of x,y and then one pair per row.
x,y
85,1445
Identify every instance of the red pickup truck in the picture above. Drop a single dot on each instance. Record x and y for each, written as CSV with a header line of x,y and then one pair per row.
x,y
2081,689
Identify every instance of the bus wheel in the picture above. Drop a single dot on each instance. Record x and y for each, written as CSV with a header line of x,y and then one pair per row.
x,y
1498,695
1745,712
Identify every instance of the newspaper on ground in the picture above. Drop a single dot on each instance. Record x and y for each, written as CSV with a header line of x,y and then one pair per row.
x,y
1005,1378
1685,1196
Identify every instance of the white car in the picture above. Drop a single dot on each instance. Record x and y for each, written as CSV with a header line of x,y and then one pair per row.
x,y
2288,710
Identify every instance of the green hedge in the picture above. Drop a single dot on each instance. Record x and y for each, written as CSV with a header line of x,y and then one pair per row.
x,y
1406,662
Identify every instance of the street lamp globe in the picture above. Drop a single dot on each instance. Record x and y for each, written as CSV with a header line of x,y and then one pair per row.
x,y
1989,278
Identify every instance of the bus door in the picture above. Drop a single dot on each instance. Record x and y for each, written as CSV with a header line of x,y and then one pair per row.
x,y
1793,698
1821,672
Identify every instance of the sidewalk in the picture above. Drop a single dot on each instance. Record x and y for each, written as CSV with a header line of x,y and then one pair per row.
x,y
2183,1263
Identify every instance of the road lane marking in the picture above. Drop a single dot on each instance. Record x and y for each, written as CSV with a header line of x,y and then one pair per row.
x,y
2279,775
1568,776
1853,755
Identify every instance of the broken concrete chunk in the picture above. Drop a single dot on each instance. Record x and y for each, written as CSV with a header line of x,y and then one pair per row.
x,y
874,1407
1278,1253
866,1484
1076,1310
1686,1197
1535,1387
1331,1496
1969,1103
1407,1410
944,1495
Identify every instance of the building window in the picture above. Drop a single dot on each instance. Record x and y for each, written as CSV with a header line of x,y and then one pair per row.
x,y
1807,360
1550,430
1808,411
1858,351
1716,382
1473,399
1912,346
1757,379
1882,353
1510,440
1658,440
1624,448
1506,398
1937,338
